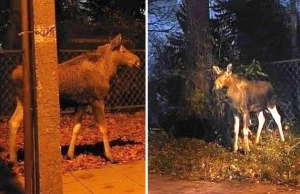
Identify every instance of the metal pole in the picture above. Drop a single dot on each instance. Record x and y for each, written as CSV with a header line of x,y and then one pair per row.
x,y
28,105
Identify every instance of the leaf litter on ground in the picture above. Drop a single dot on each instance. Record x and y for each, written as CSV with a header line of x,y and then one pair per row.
x,y
190,158
126,135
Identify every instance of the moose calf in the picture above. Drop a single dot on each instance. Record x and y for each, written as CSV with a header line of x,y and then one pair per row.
x,y
83,81
244,97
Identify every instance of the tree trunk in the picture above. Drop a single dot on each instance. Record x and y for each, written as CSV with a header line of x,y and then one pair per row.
x,y
199,52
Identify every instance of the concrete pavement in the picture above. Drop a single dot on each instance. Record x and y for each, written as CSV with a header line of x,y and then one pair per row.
x,y
169,185
110,179
130,178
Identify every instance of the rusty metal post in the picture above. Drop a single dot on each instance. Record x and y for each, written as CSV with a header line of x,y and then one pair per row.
x,y
30,173
47,113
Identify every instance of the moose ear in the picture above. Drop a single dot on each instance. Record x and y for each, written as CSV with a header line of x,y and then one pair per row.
x,y
229,68
217,70
116,42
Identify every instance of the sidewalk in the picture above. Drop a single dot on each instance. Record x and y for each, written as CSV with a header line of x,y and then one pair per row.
x,y
168,185
111,179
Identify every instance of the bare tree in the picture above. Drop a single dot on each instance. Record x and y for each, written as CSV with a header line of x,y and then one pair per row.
x,y
162,21
162,16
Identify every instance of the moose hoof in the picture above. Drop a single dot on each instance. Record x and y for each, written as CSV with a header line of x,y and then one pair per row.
x,y
13,159
70,155
114,161
247,151
109,157
235,149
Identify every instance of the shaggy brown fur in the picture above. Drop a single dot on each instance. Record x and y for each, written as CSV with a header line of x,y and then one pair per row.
x,y
244,97
83,80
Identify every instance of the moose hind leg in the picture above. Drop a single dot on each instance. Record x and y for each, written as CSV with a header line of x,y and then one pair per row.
x,y
277,118
246,132
77,125
14,124
98,109
261,122
236,132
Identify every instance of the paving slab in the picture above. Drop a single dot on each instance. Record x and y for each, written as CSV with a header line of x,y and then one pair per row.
x,y
73,187
110,179
138,177
68,178
124,186
94,177
136,166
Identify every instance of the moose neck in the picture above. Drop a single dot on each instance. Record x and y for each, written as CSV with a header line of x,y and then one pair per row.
x,y
233,80
107,64
108,67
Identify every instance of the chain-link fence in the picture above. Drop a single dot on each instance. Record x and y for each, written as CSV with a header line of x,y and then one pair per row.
x,y
127,87
284,76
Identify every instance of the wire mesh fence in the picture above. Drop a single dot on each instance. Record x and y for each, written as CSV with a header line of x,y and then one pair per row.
x,y
284,76
127,87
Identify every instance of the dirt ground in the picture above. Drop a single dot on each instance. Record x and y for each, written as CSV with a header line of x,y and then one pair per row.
x,y
126,135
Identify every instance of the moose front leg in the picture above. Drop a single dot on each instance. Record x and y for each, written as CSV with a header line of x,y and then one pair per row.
x,y
236,132
246,131
14,124
98,109
77,125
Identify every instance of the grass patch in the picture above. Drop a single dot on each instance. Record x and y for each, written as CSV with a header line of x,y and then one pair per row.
x,y
189,158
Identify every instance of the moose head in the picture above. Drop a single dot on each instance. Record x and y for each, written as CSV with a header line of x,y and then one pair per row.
x,y
223,77
123,55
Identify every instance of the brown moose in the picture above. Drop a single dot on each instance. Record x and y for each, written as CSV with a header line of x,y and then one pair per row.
x,y
83,81
244,97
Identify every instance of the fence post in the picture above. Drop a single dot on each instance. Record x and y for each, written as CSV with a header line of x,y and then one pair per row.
x,y
47,115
